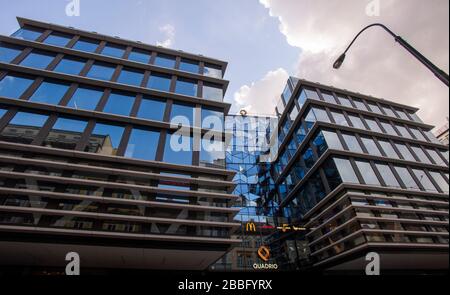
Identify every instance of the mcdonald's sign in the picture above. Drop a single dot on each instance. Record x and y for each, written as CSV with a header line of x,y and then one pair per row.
x,y
250,227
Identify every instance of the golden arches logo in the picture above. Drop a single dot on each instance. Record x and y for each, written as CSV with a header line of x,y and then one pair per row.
x,y
250,227
264,253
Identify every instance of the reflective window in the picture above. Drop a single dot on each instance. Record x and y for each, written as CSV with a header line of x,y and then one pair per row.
x,y
23,128
131,77
186,112
113,50
212,153
373,125
213,71
2,112
186,87
101,71
13,86
401,114
301,99
369,176
403,131
417,133
152,109
440,180
159,82
388,149
357,122
28,33
371,146
58,39
328,97
212,119
65,134
190,66
359,104
178,149
424,180
432,137
321,115
50,92
352,143
119,104
389,111
105,139
332,140
415,117
142,144
38,59
212,92
388,127
345,101
374,108
404,151
420,154
293,113
320,143
311,94
287,93
86,98
388,175
406,177
435,156
140,56
70,65
9,52
87,45
346,171
165,61
339,118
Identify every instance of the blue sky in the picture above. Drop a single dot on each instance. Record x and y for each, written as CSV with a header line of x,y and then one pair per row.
x,y
238,31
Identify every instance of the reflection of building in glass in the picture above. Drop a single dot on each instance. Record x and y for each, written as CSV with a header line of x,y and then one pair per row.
x,y
443,134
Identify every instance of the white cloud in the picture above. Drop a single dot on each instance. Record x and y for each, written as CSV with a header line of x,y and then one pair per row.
x,y
376,65
169,33
262,96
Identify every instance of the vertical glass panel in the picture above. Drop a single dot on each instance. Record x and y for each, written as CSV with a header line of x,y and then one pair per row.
x,y
70,65
212,153
165,61
178,149
186,87
415,117
320,144
357,122
87,45
213,71
403,131
287,93
417,133
388,111
308,157
401,114
369,176
212,92
328,97
38,60
371,146
406,177
152,109
424,180
2,113
28,33
404,151
212,119
352,143
321,115
23,128
373,125
65,134
105,139
441,182
119,104
280,107
9,52
58,39
101,71
301,99
159,82
360,104
190,66
332,140
346,171
183,110
114,50
50,92
388,127
445,154
432,137
332,174
374,108
388,149
142,144
131,77
339,118
420,154
13,86
293,113
86,98
345,101
388,175
140,56
435,156
312,94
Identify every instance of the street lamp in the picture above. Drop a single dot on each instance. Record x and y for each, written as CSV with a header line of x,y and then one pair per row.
x,y
440,74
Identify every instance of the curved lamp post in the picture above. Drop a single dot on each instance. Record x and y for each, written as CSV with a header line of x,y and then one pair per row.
x,y
441,75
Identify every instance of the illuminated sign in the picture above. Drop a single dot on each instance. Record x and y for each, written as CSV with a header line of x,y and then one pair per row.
x,y
250,227
264,255
287,227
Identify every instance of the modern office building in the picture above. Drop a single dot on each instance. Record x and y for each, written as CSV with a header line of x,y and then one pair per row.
x,y
442,134
90,162
362,175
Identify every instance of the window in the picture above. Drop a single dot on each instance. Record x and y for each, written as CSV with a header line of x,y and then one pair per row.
x,y
189,66
339,118
142,144
437,159
212,119
357,122
312,94
417,134
87,45
320,143
13,86
50,92
184,111
113,50
287,93
403,131
178,149
301,99
359,104
388,127
105,139
328,97
119,104
352,143
332,140
387,174
345,101
415,117
2,113
58,39
212,92
131,77
374,108
152,109
101,71
212,153
65,134
321,115
371,146
165,61
388,149
388,111
23,128
28,33
373,125
140,56
38,60
186,87
346,171
86,98
406,177
421,154
440,180
424,180
401,114
9,52
159,82
369,176
404,151
70,65
213,71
